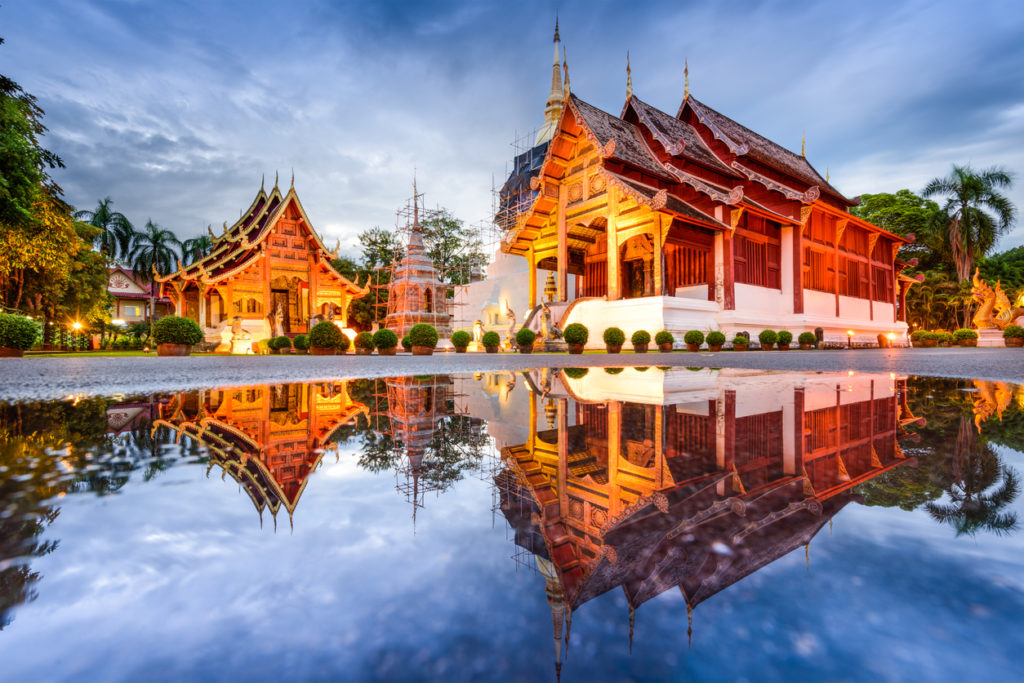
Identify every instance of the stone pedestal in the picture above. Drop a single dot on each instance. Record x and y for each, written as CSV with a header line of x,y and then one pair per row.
x,y
990,337
550,345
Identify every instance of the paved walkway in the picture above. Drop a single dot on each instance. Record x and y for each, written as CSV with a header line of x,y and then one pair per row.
x,y
53,377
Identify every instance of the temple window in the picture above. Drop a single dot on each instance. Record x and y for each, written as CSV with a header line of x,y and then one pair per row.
x,y
756,252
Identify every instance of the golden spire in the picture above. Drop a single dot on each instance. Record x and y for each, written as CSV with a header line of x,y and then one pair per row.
x,y
565,67
686,78
556,96
803,145
629,78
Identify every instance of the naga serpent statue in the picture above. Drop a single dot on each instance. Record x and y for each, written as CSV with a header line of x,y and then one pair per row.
x,y
995,310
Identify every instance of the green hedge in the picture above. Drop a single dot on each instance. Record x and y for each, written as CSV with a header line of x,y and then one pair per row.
x,y
664,337
491,340
461,339
575,373
640,337
326,335
280,343
715,338
301,342
576,333
423,334
807,338
694,337
19,332
740,341
525,337
964,333
1013,331
406,343
364,340
768,338
785,337
174,329
613,336
385,338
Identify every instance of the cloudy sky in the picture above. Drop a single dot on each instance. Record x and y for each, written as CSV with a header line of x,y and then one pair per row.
x,y
176,109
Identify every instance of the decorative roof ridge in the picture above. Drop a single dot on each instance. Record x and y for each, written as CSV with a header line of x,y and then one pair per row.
x,y
675,148
608,148
701,110
717,192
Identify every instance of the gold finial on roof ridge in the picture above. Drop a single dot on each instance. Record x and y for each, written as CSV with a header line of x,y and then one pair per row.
x,y
263,181
803,145
275,178
826,175
686,78
293,178
565,69
629,78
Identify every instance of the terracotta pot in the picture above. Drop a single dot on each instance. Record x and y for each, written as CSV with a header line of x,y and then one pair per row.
x,y
693,347
460,349
715,348
767,347
783,347
387,352
526,348
613,349
930,343
1013,341
173,349
968,342
640,348
666,347
575,348
8,352
364,352
740,347
806,347
491,349
321,351
422,350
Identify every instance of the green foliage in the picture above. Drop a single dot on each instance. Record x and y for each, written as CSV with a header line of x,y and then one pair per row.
x,y
364,340
945,337
301,342
1013,331
491,340
154,250
694,337
326,335
196,248
423,334
906,213
575,373
964,333
576,333
280,343
807,338
664,337
19,332
454,249
916,335
525,337
768,338
115,231
406,343
385,338
461,338
715,338
784,337
1007,268
640,337
174,329
740,341
613,371
613,336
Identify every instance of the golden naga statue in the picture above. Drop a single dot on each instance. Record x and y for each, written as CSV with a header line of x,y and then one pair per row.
x,y
995,310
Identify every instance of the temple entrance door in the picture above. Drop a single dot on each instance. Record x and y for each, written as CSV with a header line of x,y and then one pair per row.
x,y
192,304
279,307
637,267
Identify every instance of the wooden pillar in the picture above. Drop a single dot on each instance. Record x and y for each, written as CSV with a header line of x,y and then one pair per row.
x,y
728,273
613,244
614,446
563,244
798,269
659,231
659,445
798,428
532,261
840,227
563,457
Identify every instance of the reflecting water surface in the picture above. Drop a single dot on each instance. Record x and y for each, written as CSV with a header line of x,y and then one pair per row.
x,y
580,524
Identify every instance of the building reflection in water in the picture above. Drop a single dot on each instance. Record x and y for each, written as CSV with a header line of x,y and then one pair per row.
x,y
648,481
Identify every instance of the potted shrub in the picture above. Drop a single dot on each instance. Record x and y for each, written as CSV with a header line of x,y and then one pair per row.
x,y
807,340
576,336
175,336
740,343
614,338
279,344
1013,335
18,334
640,340
406,344
664,340
385,341
575,373
930,339
423,338
783,339
966,337
946,338
715,340
767,339
460,340
301,344
917,338
325,339
364,344
524,340
693,340
614,371
491,342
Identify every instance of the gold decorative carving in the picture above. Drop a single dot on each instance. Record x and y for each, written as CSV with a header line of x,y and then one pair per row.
x,y
840,229
575,192
609,148
734,217
995,310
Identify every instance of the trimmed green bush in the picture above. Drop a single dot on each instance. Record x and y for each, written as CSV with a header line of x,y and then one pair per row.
x,y
575,373
301,342
715,338
385,338
807,338
664,337
525,337
740,341
694,337
576,333
280,343
491,340
613,371
19,332
640,337
364,340
406,343
918,335
613,336
964,333
768,338
173,329
929,336
946,337
423,334
461,338
326,335
784,337
1014,331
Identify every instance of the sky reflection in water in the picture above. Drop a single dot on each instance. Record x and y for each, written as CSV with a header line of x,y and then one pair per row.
x,y
512,526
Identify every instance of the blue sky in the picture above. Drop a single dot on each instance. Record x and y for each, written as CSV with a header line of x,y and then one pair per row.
x,y
176,109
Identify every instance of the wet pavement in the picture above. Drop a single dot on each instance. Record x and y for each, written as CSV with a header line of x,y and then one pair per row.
x,y
53,377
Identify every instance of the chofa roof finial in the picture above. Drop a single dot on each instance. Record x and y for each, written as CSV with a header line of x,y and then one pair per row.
x,y
275,177
686,78
565,69
293,178
629,78
803,145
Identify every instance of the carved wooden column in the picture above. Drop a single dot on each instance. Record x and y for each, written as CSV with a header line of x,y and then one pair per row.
x,y
563,457
659,228
614,447
613,244
563,243
532,261
840,227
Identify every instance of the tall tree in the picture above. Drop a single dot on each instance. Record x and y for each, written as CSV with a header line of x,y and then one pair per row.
x,y
455,249
155,251
971,229
196,248
114,239
905,213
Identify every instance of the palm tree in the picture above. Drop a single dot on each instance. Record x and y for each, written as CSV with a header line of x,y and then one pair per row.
x,y
155,251
971,230
115,236
196,248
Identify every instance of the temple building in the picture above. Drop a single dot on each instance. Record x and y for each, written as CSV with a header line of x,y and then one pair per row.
x,y
267,275
656,221
131,295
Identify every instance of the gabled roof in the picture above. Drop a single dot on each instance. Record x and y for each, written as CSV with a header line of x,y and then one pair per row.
x,y
677,137
627,145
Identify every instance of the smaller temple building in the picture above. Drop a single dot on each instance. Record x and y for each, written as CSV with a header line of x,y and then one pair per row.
x,y
132,295
267,275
